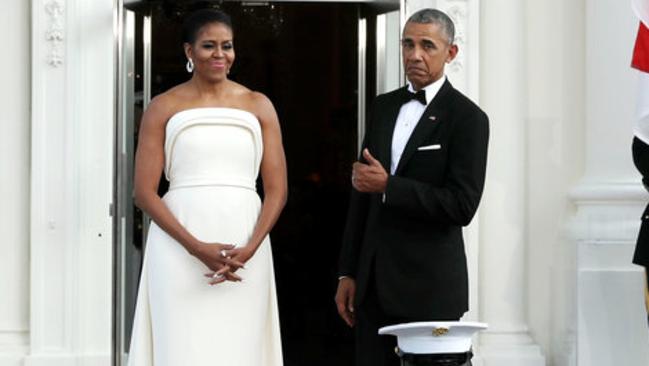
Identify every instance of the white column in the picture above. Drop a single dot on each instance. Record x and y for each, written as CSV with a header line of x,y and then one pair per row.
x,y
14,184
610,317
71,175
555,59
503,249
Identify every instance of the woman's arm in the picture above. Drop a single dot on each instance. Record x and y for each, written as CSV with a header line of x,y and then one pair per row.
x,y
273,174
149,162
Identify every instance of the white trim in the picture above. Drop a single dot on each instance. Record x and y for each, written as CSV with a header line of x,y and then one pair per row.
x,y
14,345
70,184
50,229
381,56
606,192
68,359
362,90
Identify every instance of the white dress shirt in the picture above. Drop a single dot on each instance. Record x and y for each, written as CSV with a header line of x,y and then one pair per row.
x,y
409,115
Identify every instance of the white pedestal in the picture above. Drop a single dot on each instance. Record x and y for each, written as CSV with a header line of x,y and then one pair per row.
x,y
611,316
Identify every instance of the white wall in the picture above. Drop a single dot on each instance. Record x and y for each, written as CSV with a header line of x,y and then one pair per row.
x,y
14,179
555,162
610,91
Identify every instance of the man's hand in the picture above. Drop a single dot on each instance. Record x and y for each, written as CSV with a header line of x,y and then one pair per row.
x,y
371,177
345,299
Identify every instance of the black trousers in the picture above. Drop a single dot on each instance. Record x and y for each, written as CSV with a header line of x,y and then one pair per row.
x,y
452,359
373,349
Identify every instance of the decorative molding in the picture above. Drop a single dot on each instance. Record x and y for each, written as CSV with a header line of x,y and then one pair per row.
x,y
607,213
14,338
458,13
14,346
606,225
604,193
54,191
68,359
54,34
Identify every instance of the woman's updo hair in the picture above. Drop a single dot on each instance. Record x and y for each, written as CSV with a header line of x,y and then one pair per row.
x,y
198,19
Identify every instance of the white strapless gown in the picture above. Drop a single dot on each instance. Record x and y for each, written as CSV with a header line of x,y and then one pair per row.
x,y
212,158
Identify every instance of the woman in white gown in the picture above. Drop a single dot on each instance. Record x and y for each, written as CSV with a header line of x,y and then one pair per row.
x,y
207,291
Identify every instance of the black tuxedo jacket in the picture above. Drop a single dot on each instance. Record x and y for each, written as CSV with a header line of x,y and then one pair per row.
x,y
411,243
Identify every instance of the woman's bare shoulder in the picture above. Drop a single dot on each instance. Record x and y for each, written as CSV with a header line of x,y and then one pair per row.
x,y
252,101
260,105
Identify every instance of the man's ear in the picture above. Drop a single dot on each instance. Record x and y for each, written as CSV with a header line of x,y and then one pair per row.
x,y
452,52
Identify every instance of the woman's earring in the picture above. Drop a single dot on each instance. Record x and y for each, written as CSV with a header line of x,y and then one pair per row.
x,y
189,66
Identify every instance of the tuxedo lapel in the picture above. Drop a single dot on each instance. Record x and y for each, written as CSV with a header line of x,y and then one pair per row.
x,y
389,120
433,116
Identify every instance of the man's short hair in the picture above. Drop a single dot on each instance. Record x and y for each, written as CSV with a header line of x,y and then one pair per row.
x,y
434,16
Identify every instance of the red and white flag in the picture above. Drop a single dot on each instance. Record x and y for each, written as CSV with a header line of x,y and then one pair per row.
x,y
641,62
641,49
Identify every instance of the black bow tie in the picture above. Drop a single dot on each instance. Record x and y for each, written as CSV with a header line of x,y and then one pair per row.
x,y
419,96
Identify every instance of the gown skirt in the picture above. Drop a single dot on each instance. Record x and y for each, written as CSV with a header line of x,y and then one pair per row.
x,y
212,160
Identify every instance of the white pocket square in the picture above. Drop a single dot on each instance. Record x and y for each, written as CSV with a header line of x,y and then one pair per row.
x,y
429,147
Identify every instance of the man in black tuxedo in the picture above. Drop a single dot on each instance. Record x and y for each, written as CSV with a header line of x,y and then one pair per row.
x,y
418,181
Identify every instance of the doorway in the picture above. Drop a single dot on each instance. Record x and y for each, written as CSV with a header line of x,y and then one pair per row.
x,y
305,57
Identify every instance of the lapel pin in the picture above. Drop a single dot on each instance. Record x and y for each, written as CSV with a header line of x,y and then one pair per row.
x,y
432,118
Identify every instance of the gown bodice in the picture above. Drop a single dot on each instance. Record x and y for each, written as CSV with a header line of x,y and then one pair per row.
x,y
213,147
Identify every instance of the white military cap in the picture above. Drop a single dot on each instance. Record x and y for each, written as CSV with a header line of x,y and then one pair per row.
x,y
434,337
